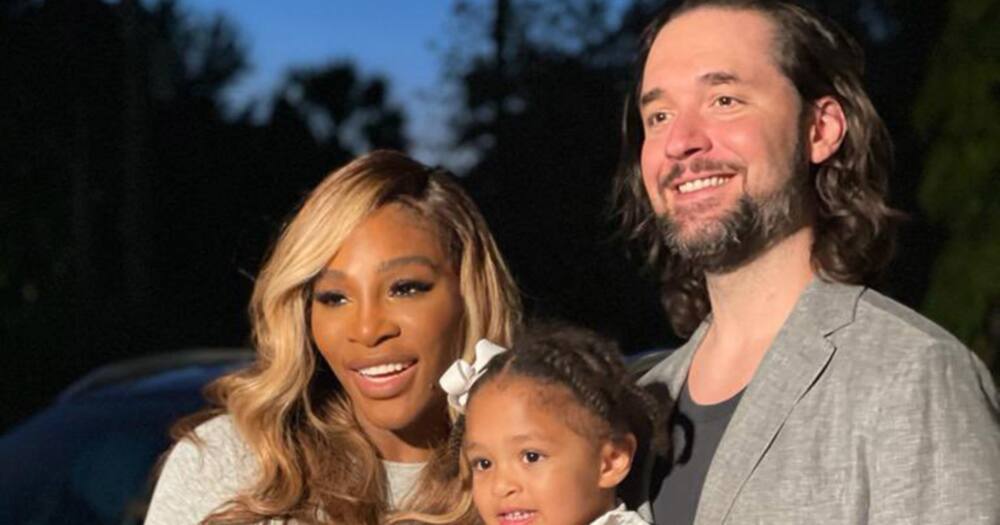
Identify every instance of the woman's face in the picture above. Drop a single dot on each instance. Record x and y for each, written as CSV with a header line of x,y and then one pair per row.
x,y
387,316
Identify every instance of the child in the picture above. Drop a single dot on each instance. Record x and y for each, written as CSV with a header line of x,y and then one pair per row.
x,y
549,428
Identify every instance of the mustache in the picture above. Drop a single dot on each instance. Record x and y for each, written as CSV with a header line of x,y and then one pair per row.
x,y
699,165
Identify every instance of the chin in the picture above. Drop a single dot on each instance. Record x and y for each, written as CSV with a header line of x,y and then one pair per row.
x,y
390,416
695,236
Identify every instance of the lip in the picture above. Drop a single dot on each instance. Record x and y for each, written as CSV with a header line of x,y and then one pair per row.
x,y
503,520
673,186
387,386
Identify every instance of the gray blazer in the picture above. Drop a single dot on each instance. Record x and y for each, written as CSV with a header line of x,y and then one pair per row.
x,y
862,411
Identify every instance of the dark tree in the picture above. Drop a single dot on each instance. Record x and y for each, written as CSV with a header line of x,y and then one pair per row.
x,y
957,112
134,211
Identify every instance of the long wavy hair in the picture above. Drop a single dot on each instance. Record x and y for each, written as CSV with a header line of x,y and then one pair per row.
x,y
315,462
854,228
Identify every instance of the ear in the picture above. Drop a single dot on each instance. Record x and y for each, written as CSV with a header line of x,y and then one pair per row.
x,y
827,129
616,460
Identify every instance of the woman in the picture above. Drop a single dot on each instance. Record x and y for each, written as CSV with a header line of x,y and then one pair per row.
x,y
386,274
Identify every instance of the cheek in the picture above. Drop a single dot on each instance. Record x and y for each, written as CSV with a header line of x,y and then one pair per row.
x,y
326,330
768,165
441,327
322,332
435,331
651,165
479,492
482,497
739,138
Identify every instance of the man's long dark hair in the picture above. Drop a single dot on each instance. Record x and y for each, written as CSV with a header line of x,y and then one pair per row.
x,y
854,227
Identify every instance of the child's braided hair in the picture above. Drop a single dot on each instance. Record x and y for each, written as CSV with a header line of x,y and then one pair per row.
x,y
592,369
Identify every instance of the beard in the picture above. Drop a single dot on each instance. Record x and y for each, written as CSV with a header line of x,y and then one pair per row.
x,y
755,224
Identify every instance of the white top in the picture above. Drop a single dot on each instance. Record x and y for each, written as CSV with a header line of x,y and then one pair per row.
x,y
402,477
197,480
620,516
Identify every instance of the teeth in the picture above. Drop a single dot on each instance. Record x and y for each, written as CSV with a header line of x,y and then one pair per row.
x,y
518,515
380,370
697,184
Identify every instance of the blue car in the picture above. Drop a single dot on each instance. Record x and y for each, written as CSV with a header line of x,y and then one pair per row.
x,y
88,458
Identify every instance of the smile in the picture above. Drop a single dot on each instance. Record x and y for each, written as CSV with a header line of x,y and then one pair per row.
x,y
385,371
518,517
700,184
385,380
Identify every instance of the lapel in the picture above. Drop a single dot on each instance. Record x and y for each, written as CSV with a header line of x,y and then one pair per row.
x,y
796,358
673,370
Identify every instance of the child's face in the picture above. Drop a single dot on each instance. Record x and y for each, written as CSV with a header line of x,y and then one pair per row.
x,y
529,466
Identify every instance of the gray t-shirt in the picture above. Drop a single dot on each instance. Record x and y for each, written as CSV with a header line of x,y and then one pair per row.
x,y
696,430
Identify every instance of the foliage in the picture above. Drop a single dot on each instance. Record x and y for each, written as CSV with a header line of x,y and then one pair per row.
x,y
957,113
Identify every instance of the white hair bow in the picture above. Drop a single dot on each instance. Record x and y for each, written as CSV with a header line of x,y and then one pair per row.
x,y
460,376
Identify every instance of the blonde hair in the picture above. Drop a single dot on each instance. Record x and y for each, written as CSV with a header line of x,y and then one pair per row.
x,y
314,460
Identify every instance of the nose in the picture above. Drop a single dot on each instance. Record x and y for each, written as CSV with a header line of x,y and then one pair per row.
x,y
371,325
687,137
505,482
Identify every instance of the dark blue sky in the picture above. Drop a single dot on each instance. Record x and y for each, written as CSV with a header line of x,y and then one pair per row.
x,y
394,38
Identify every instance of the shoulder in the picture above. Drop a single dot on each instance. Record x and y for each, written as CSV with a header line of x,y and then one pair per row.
x,y
201,473
215,443
884,330
895,319
904,349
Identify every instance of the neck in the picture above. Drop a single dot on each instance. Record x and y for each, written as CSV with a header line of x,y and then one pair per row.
x,y
414,443
753,301
749,306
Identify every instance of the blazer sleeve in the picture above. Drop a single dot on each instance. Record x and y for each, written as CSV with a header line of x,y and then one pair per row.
x,y
937,441
198,478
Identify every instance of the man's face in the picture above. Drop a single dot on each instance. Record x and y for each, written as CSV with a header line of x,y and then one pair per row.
x,y
723,141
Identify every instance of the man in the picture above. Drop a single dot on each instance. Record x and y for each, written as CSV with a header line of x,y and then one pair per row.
x,y
755,167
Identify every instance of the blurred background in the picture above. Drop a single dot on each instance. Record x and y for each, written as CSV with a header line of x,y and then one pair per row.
x,y
150,151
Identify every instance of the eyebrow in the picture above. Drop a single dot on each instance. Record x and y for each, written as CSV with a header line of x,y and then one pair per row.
x,y
716,78
650,96
518,438
385,266
528,437
712,78
406,261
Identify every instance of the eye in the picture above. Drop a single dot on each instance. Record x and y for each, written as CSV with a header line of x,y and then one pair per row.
x,y
725,101
408,288
331,298
656,118
531,456
480,464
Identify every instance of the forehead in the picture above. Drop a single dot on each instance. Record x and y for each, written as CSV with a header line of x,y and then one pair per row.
x,y
706,40
389,231
532,403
